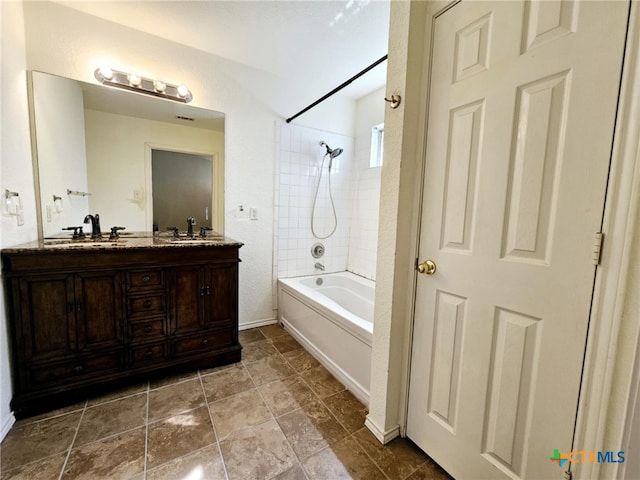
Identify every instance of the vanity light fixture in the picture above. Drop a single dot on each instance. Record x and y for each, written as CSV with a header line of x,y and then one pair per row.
x,y
137,83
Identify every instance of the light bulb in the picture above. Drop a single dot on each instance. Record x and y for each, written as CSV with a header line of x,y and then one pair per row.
x,y
106,72
182,91
159,86
134,79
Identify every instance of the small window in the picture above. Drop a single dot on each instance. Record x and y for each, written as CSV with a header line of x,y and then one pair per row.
x,y
377,143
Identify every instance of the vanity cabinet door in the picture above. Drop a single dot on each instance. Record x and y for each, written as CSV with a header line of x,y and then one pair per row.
x,y
187,294
99,312
67,314
46,307
203,296
221,295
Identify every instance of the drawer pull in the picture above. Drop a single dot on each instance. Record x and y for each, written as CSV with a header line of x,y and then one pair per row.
x,y
78,369
146,304
205,341
148,328
148,354
146,279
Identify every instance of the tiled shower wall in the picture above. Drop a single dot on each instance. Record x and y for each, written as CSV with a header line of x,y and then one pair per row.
x,y
299,158
363,241
356,195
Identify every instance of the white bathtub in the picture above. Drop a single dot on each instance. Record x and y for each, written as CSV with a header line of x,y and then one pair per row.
x,y
334,322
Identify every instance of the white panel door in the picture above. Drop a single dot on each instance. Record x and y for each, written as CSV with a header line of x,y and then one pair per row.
x,y
520,126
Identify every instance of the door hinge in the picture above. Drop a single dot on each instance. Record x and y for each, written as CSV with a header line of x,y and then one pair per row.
x,y
567,475
597,248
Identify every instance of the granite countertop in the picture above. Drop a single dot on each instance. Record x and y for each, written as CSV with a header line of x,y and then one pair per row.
x,y
125,241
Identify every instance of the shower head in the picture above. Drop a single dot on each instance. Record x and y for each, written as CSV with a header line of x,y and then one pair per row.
x,y
332,152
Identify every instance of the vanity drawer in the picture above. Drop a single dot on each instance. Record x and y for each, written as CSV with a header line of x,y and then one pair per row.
x,y
148,354
203,342
143,279
145,331
146,305
78,368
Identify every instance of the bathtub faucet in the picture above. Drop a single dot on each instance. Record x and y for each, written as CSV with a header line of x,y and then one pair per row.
x,y
319,266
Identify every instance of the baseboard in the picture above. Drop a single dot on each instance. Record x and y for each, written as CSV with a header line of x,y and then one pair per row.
x,y
257,323
6,425
383,437
347,380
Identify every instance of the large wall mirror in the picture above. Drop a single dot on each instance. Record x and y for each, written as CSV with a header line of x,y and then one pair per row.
x,y
140,162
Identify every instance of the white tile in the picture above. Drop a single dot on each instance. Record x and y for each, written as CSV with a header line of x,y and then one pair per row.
x,y
285,137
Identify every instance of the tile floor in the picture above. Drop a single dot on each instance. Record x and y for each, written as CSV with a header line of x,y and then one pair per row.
x,y
277,414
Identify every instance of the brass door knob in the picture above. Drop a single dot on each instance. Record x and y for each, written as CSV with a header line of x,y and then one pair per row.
x,y
428,267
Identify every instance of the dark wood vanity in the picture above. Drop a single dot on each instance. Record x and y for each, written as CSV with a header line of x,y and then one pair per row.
x,y
85,319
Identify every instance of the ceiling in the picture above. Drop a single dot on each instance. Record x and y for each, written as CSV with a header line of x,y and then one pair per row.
x,y
319,43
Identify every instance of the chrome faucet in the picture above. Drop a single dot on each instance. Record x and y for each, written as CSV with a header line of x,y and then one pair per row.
x,y
95,225
191,221
319,266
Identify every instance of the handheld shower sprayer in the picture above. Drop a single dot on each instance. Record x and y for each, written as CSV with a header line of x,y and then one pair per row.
x,y
332,152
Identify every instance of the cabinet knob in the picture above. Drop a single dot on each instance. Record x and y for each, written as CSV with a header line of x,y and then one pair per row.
x,y
78,369
205,341
146,279
148,354
146,304
148,328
